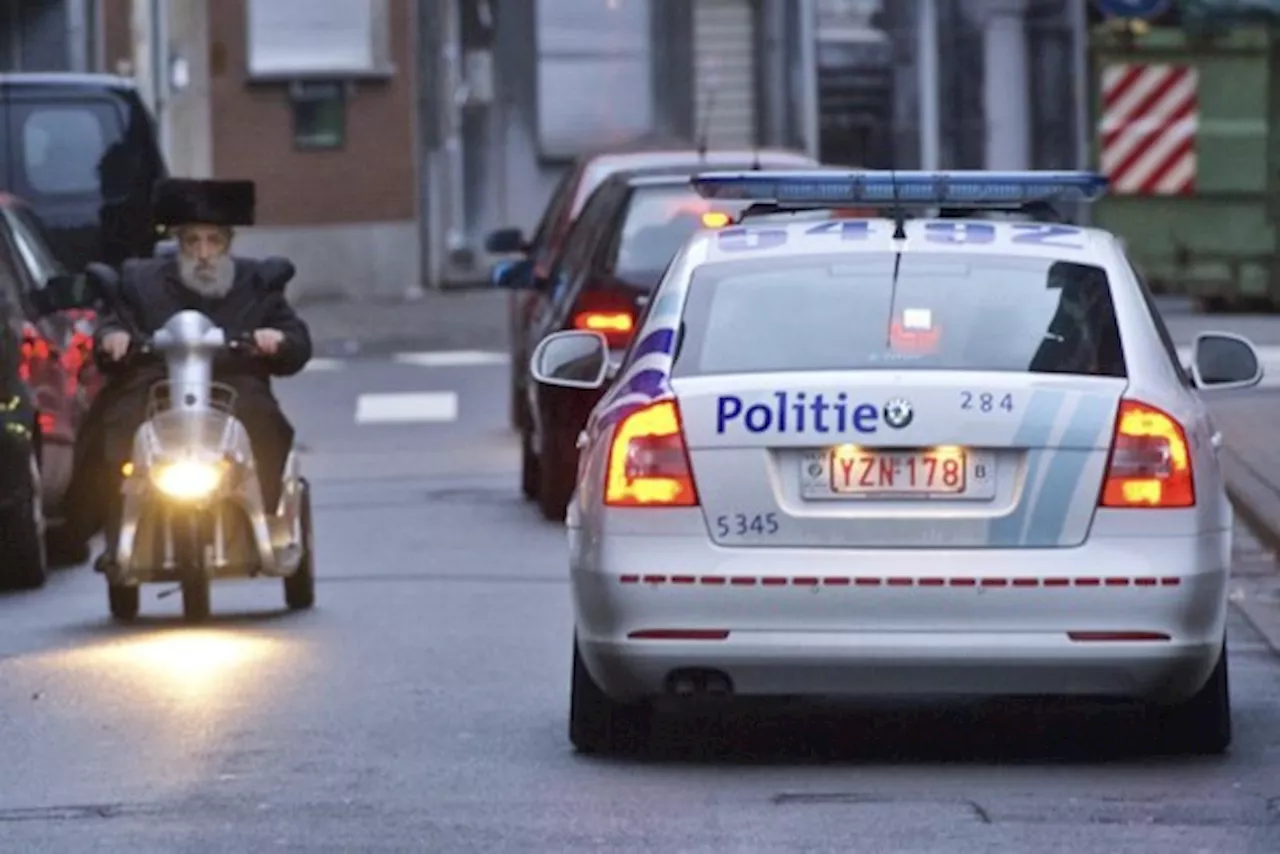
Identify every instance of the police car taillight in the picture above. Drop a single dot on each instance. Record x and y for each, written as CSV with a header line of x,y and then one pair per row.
x,y
649,462
1150,463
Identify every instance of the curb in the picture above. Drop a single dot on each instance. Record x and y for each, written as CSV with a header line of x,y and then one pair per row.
x,y
1258,506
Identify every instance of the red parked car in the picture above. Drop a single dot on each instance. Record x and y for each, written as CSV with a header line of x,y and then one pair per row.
x,y
47,380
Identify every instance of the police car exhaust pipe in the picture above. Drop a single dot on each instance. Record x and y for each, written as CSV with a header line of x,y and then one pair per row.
x,y
699,682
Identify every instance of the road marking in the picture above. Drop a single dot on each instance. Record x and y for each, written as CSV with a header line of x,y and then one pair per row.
x,y
451,358
407,407
322,364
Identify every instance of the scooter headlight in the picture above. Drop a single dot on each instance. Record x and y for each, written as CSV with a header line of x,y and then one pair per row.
x,y
187,479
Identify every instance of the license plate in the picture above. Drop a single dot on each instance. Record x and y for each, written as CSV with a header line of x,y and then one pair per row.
x,y
953,473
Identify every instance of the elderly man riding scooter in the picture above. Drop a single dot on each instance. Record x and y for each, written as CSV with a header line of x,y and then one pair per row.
x,y
204,276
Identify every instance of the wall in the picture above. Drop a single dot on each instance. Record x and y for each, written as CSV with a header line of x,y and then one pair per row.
x,y
347,217
33,36
117,40
188,112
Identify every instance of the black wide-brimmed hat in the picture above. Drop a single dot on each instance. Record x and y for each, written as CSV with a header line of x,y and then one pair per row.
x,y
184,201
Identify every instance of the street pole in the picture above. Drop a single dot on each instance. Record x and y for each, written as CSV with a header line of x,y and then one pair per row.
x,y
1080,72
808,35
1006,92
927,66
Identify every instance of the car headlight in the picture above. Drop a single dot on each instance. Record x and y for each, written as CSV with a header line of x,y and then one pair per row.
x,y
187,479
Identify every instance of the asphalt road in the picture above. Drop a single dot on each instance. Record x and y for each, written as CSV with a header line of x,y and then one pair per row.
x,y
422,705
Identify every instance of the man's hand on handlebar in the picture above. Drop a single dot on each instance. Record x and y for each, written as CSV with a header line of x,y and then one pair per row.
x,y
116,345
268,341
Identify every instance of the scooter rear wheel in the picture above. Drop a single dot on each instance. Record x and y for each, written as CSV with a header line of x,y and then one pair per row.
x,y
125,601
300,588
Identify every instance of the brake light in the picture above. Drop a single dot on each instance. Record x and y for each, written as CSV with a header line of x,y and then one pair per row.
x,y
649,462
604,321
1150,463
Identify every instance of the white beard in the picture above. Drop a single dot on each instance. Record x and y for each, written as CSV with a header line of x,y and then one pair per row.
x,y
211,280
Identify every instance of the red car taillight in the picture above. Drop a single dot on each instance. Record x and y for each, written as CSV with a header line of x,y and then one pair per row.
x,y
649,461
1150,463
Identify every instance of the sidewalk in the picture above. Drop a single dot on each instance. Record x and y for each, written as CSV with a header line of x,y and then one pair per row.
x,y
439,320
1251,463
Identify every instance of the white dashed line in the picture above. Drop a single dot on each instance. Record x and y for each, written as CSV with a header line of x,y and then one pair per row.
x,y
407,407
321,364
451,358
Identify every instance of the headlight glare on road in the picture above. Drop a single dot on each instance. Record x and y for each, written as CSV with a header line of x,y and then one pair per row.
x,y
187,480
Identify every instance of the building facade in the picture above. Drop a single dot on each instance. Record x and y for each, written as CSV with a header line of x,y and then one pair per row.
x,y
388,137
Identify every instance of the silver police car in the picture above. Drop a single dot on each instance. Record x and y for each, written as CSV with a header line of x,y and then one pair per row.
x,y
899,457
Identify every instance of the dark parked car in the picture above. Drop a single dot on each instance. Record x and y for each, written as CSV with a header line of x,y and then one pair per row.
x,y
567,200
614,257
46,382
81,149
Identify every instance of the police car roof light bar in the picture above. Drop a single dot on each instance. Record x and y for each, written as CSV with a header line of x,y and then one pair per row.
x,y
970,189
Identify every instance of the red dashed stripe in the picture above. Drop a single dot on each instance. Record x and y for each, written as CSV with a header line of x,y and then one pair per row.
x,y
894,581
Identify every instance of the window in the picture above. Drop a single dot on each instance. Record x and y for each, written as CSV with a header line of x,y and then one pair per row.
x,y
35,253
659,221
319,115
941,312
588,52
63,149
298,39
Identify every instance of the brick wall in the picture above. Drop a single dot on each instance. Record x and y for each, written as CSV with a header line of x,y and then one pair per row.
x,y
372,179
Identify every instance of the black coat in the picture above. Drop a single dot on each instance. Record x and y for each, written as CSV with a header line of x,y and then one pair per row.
x,y
151,293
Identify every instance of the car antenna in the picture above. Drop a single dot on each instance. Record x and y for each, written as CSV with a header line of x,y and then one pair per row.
x,y
704,131
899,233
899,215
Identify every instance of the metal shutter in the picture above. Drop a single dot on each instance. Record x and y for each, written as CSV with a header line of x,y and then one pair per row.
x,y
724,64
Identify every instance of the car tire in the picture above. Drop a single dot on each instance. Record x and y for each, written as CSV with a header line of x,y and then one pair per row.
x,y
124,601
597,723
65,550
300,588
515,413
557,472
1202,724
22,535
528,467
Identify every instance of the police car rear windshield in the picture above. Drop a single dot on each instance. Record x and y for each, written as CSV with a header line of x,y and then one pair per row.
x,y
659,220
946,312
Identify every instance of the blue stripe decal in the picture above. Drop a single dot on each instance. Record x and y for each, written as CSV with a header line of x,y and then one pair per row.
x,y
1036,427
650,383
1053,502
658,341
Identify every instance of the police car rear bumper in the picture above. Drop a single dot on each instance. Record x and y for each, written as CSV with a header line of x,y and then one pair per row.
x,y
1121,617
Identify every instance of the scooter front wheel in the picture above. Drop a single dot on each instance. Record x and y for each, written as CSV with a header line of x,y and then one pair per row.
x,y
196,604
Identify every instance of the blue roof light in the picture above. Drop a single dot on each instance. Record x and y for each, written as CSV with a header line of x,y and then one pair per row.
x,y
885,188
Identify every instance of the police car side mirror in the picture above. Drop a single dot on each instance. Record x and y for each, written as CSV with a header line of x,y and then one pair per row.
x,y
1223,361
573,359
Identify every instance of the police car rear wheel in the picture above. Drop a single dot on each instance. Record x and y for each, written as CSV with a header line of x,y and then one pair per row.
x,y
598,724
22,535
1202,725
